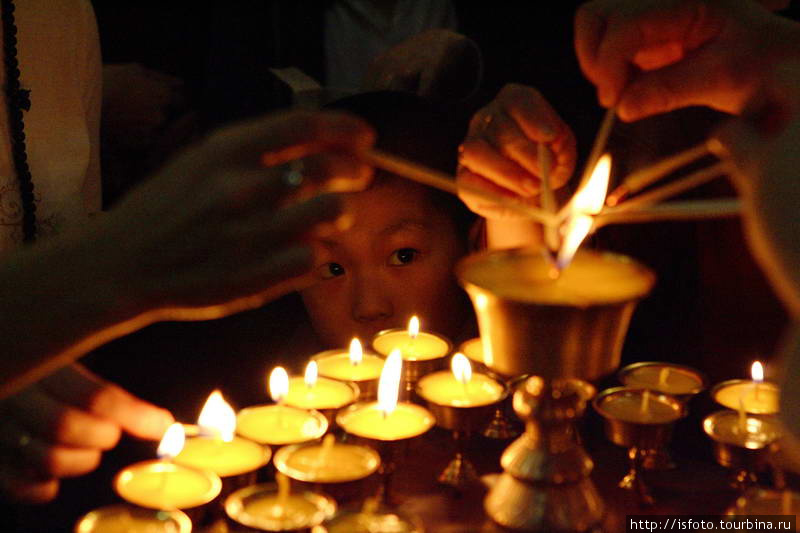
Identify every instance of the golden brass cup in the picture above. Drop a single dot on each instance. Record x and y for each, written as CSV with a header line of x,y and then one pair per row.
x,y
565,332
745,451
571,327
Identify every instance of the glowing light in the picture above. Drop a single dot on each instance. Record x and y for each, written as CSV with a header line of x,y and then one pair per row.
x,y
389,383
311,374
757,371
588,201
356,351
461,367
217,418
278,384
413,327
172,442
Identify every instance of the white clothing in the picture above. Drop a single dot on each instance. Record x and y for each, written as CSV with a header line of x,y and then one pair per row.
x,y
59,60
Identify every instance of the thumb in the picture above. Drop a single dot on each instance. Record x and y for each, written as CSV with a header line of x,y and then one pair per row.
x,y
78,386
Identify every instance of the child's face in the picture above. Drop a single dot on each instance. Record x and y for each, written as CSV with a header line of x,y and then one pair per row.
x,y
397,260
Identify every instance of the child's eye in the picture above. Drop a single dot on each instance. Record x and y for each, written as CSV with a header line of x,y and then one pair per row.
x,y
331,270
403,256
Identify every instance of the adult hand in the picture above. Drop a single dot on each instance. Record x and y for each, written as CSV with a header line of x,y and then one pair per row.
x,y
500,153
214,230
762,145
436,64
653,56
60,426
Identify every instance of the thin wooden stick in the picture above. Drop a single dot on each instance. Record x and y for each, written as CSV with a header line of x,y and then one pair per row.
x,y
688,210
655,196
640,179
548,198
433,178
597,150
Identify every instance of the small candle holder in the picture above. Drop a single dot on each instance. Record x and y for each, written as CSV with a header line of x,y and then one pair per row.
x,y
760,398
638,419
682,382
351,420
278,425
462,421
336,364
166,486
415,363
253,509
504,424
236,462
743,443
344,470
545,485
123,517
327,406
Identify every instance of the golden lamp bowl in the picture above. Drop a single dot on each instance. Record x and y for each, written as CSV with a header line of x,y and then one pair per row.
x,y
570,327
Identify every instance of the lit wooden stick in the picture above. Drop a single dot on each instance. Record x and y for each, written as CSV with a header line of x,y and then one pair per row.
x,y
594,156
433,178
688,210
548,198
646,176
655,196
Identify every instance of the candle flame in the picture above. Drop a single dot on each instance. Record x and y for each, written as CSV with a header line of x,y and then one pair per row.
x,y
462,369
413,327
356,351
757,371
217,418
278,384
389,382
587,202
311,374
172,442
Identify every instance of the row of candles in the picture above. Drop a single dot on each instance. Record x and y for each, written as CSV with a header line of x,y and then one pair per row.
x,y
228,445
353,389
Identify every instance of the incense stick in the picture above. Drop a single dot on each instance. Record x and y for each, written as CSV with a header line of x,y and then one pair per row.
x,y
647,176
688,210
594,156
678,186
433,178
548,198
599,144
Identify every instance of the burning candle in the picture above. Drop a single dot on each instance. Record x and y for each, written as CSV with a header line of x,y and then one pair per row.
x,y
313,392
663,377
212,445
459,387
639,406
267,508
349,365
124,518
329,462
414,345
163,484
280,424
757,432
387,419
753,396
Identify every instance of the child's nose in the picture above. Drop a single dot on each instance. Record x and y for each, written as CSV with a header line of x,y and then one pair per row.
x,y
370,303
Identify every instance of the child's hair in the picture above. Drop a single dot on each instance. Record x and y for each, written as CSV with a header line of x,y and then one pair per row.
x,y
413,128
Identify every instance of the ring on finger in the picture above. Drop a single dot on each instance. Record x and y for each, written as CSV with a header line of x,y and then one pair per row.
x,y
293,176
